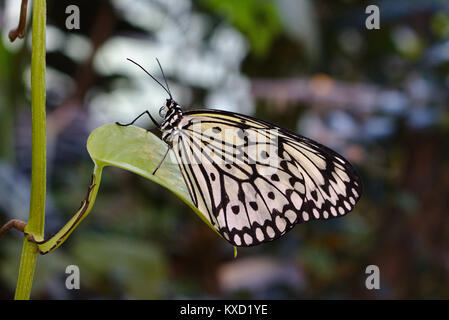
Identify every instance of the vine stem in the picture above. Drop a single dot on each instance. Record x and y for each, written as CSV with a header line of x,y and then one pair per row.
x,y
35,224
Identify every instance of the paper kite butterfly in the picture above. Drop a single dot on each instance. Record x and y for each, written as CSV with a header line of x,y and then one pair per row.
x,y
252,180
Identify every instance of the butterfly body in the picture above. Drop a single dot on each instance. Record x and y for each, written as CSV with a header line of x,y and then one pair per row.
x,y
173,116
252,180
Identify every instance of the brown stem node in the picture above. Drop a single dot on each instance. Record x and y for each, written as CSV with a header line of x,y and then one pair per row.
x,y
20,30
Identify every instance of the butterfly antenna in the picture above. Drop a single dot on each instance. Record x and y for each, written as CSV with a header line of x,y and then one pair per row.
x,y
165,79
166,90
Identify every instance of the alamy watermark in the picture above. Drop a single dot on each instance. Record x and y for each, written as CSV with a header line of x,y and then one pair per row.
x,y
373,279
373,20
72,282
72,22
226,146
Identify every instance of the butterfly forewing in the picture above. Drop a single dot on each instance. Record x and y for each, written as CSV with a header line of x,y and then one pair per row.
x,y
254,181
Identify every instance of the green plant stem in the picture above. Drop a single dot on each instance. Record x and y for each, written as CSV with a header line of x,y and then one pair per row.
x,y
35,224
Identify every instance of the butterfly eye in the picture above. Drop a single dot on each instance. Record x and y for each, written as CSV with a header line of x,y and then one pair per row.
x,y
162,112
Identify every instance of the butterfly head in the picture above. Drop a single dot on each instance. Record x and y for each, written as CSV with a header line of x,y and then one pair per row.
x,y
170,107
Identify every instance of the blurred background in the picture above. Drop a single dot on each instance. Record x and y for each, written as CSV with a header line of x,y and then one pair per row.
x,y
378,97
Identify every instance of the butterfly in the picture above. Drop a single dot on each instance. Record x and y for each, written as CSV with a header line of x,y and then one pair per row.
x,y
252,180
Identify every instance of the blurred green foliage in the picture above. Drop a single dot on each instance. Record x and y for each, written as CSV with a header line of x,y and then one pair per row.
x,y
257,19
440,24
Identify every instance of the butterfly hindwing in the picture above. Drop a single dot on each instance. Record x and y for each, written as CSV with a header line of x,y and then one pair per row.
x,y
254,181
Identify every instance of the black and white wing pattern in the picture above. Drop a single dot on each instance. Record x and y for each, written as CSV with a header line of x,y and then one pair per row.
x,y
254,181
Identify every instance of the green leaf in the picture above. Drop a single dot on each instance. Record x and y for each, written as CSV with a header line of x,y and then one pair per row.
x,y
139,151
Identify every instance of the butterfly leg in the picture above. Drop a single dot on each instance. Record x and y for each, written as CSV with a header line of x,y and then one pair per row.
x,y
140,115
163,158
